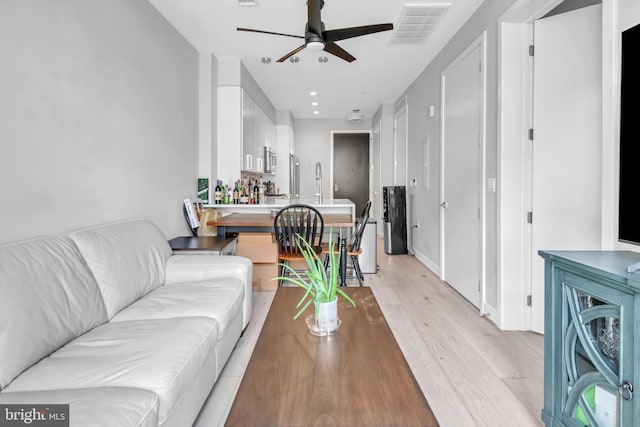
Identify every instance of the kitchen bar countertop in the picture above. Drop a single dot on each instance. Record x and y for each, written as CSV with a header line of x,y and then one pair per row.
x,y
328,206
238,218
266,220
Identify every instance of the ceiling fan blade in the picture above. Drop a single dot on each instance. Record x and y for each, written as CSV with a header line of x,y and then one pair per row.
x,y
314,21
347,33
336,50
268,32
290,54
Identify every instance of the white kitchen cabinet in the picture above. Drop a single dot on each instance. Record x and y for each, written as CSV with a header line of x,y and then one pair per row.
x,y
229,144
258,131
243,132
249,134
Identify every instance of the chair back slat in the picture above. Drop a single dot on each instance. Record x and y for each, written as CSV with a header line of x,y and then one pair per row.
x,y
357,235
298,219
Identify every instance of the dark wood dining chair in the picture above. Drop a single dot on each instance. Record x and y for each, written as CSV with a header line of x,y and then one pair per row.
x,y
353,249
292,221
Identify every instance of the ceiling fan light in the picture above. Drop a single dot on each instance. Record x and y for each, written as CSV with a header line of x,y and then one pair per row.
x,y
315,45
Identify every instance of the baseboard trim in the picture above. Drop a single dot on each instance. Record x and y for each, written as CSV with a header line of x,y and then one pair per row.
x,y
428,263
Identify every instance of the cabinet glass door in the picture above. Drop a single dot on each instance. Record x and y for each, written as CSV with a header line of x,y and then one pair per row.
x,y
593,364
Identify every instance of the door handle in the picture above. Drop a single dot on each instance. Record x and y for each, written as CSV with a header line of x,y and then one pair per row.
x,y
444,205
626,390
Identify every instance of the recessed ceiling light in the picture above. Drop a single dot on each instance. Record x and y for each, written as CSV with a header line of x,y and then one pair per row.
x,y
313,93
266,60
314,103
316,112
294,59
322,59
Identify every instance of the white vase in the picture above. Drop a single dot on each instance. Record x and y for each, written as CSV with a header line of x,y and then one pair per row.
x,y
327,315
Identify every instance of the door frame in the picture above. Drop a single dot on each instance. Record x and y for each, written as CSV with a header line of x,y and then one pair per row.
x,y
481,43
515,118
371,165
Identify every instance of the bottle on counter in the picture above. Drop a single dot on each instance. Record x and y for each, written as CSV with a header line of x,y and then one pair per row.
x,y
236,193
244,195
256,193
218,195
228,195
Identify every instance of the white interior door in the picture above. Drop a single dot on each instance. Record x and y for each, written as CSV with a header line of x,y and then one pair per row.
x,y
462,115
567,123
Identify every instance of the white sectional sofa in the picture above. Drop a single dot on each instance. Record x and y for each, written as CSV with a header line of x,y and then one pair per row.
x,y
107,320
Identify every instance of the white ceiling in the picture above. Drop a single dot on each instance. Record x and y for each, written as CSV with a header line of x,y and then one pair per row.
x,y
380,74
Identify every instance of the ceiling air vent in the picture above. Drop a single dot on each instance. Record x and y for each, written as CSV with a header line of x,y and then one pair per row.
x,y
417,22
355,116
247,2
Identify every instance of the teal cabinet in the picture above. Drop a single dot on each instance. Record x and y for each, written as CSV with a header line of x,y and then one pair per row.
x,y
592,338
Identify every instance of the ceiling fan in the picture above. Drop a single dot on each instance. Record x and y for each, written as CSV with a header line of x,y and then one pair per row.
x,y
316,37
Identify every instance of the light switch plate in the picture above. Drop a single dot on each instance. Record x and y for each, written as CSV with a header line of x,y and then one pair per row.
x,y
491,185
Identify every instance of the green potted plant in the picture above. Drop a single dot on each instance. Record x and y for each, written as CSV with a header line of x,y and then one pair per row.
x,y
321,288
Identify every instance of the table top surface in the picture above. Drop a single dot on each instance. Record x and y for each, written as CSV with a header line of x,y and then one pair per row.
x,y
266,220
276,203
358,377
200,243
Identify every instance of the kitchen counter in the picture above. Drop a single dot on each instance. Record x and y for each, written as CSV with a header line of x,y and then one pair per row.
x,y
253,218
266,220
328,206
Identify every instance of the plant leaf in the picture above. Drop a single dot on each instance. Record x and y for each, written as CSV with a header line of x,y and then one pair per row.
x,y
346,297
302,309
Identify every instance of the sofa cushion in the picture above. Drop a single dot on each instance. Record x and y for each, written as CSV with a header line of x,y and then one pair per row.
x,y
190,268
220,299
127,259
48,297
96,407
164,356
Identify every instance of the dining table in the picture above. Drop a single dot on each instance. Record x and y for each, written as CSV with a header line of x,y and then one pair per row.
x,y
243,222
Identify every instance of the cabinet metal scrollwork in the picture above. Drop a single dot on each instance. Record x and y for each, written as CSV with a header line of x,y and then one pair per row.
x,y
592,350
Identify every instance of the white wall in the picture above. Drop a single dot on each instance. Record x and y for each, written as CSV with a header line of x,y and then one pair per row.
x,y
313,144
98,116
422,93
618,16
250,86
628,13
207,117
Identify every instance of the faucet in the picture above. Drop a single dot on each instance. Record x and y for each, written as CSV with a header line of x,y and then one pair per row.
x,y
319,180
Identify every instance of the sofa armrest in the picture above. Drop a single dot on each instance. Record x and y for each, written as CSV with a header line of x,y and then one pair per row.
x,y
190,268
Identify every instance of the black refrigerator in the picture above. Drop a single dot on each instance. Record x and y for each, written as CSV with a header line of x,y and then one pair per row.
x,y
395,220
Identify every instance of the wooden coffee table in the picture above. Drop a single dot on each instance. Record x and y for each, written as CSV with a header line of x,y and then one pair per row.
x,y
357,377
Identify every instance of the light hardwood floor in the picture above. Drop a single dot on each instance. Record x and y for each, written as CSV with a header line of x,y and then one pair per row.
x,y
471,373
